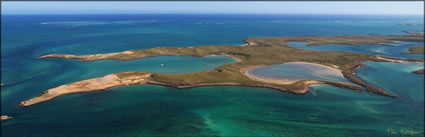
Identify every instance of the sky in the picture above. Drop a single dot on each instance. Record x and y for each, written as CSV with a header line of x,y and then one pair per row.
x,y
279,7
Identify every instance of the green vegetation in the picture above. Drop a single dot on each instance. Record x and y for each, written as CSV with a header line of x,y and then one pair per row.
x,y
262,51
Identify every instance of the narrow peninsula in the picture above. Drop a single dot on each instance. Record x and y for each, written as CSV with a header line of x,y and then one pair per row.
x,y
257,52
108,81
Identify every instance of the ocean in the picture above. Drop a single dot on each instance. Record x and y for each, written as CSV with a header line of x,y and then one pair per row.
x,y
152,110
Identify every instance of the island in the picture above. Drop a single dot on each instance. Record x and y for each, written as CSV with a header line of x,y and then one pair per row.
x,y
5,117
421,71
414,32
411,24
256,52
415,50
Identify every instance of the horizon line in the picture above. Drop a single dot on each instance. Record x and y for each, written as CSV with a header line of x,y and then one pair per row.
x,y
420,14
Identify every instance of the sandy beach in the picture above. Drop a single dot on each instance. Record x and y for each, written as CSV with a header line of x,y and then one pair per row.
x,y
94,84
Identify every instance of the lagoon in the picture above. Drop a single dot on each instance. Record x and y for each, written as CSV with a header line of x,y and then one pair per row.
x,y
295,71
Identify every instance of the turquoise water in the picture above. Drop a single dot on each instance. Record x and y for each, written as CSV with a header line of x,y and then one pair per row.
x,y
66,71
163,64
399,82
145,110
392,50
296,71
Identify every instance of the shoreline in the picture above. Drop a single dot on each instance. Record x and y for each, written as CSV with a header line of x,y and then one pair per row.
x,y
337,70
224,55
128,78
351,78
95,57
305,89
263,83
389,60
281,89
350,75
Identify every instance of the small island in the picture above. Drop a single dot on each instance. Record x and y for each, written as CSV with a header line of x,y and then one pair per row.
x,y
257,52
421,71
414,32
5,117
411,24
415,50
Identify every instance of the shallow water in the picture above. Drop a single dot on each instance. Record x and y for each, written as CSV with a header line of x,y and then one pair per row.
x,y
227,111
145,110
67,71
401,81
297,71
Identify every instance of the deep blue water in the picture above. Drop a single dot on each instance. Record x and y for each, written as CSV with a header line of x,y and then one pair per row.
x,y
213,111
